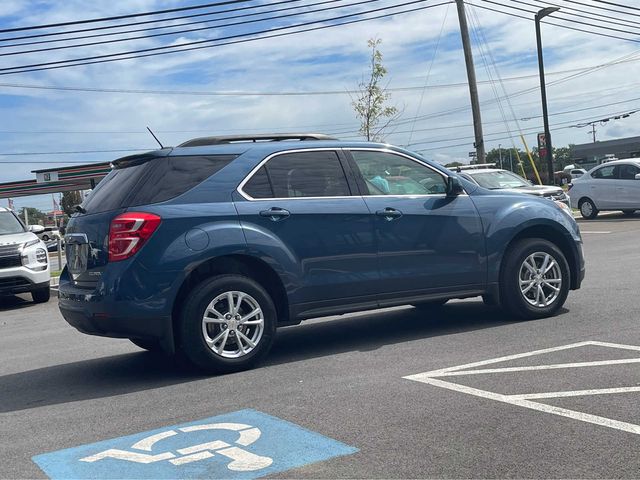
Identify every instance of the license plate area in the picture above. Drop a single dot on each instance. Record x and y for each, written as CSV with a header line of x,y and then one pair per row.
x,y
77,252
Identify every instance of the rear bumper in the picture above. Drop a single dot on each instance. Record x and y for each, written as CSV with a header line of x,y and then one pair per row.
x,y
92,313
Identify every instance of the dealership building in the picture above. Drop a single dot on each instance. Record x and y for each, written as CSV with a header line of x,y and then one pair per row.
x,y
589,155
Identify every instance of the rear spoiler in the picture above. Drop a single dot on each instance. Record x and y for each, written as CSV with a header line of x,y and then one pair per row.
x,y
138,158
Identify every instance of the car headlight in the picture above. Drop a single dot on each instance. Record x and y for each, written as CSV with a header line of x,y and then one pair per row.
x,y
565,208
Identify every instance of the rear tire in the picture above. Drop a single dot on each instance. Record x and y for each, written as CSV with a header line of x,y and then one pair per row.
x,y
588,209
534,279
149,345
249,321
41,295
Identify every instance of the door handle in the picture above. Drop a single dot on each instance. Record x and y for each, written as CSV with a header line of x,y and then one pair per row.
x,y
389,214
275,214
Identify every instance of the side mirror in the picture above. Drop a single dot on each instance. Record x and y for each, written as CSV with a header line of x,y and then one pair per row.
x,y
36,229
62,230
637,176
454,187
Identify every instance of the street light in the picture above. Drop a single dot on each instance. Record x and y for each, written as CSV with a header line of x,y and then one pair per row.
x,y
545,115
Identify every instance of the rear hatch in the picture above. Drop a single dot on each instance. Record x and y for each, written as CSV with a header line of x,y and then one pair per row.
x,y
135,181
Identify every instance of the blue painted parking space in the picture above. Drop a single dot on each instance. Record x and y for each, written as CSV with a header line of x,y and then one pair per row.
x,y
242,444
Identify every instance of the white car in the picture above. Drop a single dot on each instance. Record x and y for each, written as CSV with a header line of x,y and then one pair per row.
x,y
498,179
49,233
24,261
610,186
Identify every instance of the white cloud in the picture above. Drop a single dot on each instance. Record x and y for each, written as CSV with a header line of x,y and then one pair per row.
x,y
331,59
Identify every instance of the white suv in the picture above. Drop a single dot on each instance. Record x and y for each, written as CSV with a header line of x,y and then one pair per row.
x,y
24,262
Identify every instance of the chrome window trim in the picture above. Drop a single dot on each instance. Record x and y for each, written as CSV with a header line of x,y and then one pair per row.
x,y
246,179
246,196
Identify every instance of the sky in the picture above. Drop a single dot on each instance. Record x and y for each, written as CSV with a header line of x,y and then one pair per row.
x,y
421,50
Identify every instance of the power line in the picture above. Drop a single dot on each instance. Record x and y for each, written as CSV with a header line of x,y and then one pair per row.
x,y
191,30
133,24
121,17
617,5
231,39
599,18
560,14
484,7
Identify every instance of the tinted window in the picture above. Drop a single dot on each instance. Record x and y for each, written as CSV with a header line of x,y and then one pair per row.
x,y
628,172
154,181
605,172
9,224
389,174
259,186
307,174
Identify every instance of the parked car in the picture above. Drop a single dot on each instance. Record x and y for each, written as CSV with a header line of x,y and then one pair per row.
x,y
577,173
205,249
614,185
24,262
498,179
49,233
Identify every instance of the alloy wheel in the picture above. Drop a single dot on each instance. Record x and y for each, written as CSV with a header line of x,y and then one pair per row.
x,y
540,279
233,324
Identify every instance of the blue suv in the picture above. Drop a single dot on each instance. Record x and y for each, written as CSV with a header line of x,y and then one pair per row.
x,y
205,249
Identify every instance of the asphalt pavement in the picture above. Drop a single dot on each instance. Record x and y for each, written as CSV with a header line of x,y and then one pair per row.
x,y
468,409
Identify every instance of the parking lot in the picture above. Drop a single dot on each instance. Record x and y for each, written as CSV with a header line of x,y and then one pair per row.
x,y
464,392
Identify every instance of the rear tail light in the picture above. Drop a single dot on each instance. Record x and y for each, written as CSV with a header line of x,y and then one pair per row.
x,y
129,232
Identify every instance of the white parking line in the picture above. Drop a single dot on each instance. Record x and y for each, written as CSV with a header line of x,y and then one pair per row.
x,y
592,231
524,400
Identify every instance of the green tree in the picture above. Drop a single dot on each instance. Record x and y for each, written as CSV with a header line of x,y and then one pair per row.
x,y
70,200
454,165
370,105
35,216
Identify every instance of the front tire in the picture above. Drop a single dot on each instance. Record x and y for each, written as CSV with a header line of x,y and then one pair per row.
x,y
588,209
534,279
227,324
41,295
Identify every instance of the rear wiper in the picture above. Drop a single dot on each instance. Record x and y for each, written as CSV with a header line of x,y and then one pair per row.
x,y
79,208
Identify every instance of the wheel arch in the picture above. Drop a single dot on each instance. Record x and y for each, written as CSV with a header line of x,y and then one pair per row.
x,y
547,232
241,264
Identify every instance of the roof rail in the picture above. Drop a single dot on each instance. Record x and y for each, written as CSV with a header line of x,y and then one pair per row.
x,y
476,166
274,137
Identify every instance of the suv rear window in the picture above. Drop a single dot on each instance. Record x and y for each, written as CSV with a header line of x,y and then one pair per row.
x,y
154,181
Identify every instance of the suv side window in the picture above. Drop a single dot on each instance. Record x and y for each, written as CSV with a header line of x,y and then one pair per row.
x,y
390,174
299,175
605,173
628,172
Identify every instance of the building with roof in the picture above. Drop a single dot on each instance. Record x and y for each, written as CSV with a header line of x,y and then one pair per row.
x,y
589,155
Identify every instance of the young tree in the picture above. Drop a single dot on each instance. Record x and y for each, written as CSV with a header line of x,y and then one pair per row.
x,y
371,103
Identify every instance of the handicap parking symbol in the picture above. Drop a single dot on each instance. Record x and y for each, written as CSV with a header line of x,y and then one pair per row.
x,y
243,444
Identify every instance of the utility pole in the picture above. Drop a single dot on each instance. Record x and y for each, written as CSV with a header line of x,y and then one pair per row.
x,y
473,87
593,132
543,89
500,153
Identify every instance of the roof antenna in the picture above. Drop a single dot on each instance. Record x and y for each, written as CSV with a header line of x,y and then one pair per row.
x,y
156,138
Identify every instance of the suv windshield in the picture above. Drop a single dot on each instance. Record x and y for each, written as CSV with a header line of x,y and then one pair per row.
x,y
498,180
10,224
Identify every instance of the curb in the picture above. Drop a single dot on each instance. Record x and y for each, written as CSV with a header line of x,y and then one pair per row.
x,y
54,282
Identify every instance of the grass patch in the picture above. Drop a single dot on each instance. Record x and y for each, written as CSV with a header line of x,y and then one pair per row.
x,y
56,273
